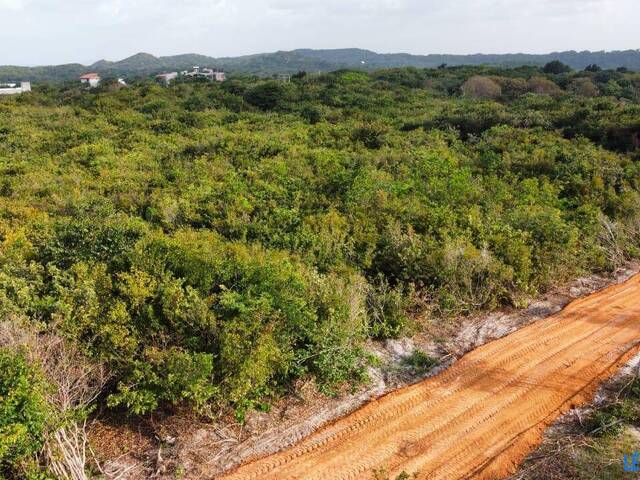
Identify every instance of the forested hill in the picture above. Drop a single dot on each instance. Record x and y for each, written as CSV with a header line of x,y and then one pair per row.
x,y
577,60
143,64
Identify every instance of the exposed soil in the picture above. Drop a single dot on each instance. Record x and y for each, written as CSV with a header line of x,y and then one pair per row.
x,y
557,452
482,416
190,448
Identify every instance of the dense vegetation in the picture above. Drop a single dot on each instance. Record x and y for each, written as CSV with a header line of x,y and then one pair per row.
x,y
267,64
22,414
209,244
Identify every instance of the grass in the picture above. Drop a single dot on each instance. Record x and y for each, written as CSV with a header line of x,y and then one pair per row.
x,y
419,362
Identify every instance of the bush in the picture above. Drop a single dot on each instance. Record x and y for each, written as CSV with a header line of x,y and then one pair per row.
x,y
511,87
197,319
172,376
267,96
311,114
592,68
386,307
543,86
481,87
370,135
23,414
211,245
420,362
471,278
556,67
584,87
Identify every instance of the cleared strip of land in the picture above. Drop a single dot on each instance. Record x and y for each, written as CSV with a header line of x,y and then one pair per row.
x,y
481,417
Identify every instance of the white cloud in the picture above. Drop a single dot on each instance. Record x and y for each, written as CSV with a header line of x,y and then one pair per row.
x,y
55,31
13,5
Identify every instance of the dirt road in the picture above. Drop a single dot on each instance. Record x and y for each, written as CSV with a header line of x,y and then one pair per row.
x,y
481,417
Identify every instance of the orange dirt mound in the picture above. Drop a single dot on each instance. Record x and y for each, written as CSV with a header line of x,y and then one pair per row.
x,y
482,416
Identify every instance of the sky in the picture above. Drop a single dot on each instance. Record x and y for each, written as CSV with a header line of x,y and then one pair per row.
x,y
44,32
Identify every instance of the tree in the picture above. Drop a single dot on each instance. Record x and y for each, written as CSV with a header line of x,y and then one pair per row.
x,y
543,86
593,68
584,87
481,87
266,96
512,87
311,114
556,67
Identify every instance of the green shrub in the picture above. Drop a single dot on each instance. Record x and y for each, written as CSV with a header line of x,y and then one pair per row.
x,y
371,135
23,414
387,307
420,362
556,67
254,233
267,96
612,419
311,114
170,376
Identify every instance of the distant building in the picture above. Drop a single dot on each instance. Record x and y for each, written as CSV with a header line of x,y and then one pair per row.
x,y
90,79
13,88
219,76
213,75
167,78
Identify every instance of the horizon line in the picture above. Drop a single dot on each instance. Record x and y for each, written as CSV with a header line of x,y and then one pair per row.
x,y
323,49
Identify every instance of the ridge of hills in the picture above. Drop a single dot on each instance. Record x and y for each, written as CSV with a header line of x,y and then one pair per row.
x,y
265,64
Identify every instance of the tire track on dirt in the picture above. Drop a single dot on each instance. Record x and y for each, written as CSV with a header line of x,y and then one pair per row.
x,y
479,418
370,413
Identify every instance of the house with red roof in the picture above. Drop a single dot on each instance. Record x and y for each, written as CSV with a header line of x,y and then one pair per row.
x,y
90,79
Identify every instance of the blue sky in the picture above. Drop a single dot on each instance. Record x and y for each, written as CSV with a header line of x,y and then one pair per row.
x,y
37,32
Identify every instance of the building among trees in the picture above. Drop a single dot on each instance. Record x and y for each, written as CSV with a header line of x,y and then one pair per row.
x,y
13,88
167,78
90,79
208,73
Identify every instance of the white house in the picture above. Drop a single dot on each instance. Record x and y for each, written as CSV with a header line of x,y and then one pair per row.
x,y
90,79
213,75
219,76
167,78
13,88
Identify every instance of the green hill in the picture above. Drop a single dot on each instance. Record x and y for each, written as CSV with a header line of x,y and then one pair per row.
x,y
143,64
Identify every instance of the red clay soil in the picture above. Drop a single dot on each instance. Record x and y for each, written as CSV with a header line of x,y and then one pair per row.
x,y
481,417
